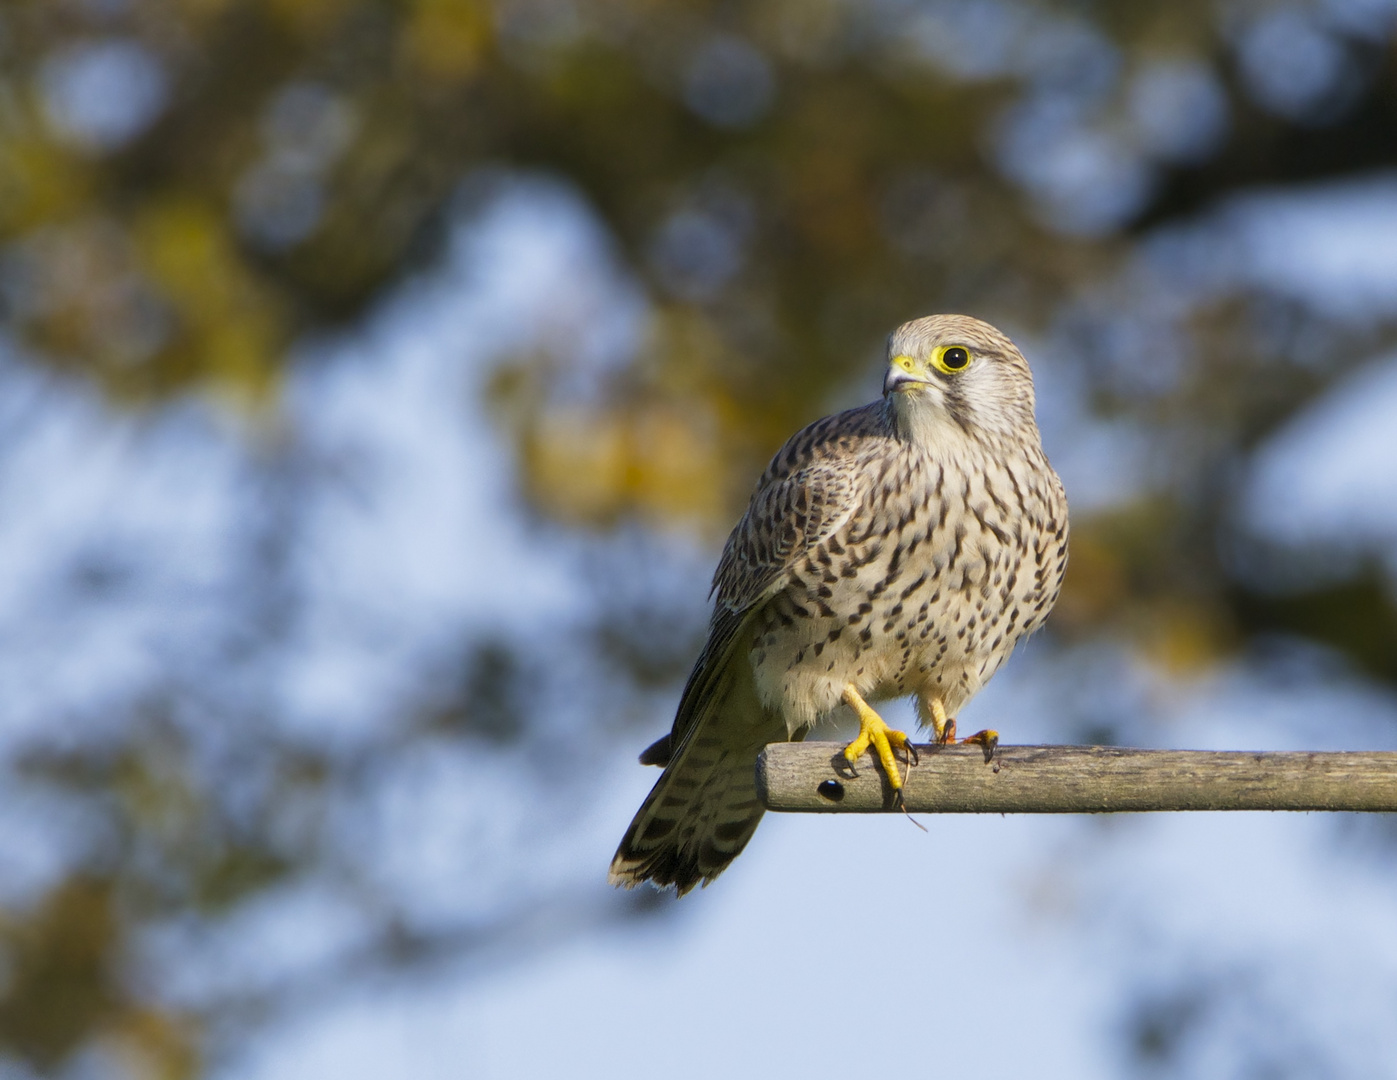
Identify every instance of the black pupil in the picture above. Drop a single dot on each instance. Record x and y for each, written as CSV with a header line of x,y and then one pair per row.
x,y
955,358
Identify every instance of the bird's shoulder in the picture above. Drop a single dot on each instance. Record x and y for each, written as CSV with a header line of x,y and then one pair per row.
x,y
810,488
835,441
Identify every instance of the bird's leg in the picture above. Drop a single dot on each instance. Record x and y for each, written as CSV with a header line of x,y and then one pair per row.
x,y
942,725
874,731
945,729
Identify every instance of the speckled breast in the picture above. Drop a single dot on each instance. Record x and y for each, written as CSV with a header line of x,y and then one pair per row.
x,y
925,592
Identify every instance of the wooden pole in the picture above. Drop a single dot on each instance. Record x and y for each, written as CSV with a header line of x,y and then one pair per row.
x,y
1076,780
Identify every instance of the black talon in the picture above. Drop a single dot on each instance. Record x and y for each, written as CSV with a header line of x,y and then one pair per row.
x,y
988,740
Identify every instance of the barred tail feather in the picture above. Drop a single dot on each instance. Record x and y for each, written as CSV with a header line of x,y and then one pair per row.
x,y
704,808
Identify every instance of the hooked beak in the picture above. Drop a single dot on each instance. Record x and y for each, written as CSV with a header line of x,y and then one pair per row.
x,y
900,377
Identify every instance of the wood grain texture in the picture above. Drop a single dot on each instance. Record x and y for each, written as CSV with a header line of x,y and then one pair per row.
x,y
813,777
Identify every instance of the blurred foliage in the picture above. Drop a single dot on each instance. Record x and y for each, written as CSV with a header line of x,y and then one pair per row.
x,y
189,186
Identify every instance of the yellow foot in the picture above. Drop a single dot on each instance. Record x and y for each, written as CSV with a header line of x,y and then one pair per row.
x,y
873,731
945,728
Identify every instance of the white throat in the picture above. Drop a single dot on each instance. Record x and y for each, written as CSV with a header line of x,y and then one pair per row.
x,y
920,417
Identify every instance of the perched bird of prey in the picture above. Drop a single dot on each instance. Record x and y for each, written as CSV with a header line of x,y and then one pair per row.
x,y
899,548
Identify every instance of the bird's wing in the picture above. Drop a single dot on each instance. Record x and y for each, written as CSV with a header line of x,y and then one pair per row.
x,y
811,488
788,517
704,808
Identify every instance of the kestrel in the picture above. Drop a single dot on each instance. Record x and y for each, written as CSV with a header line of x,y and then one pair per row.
x,y
895,549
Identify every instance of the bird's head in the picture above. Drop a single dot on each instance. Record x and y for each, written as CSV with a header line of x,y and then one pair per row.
x,y
955,370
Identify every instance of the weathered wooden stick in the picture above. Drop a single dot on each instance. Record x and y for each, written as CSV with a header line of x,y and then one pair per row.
x,y
1077,780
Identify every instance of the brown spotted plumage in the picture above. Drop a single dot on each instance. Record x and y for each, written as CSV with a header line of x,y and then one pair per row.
x,y
897,549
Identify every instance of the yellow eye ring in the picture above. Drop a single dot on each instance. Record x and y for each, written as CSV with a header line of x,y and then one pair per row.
x,y
950,359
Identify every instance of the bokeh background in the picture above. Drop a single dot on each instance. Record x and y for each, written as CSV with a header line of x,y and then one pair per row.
x,y
378,381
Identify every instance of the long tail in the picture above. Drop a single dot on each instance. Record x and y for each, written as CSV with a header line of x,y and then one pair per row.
x,y
704,808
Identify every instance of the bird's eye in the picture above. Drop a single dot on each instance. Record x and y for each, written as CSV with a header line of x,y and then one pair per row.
x,y
951,359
